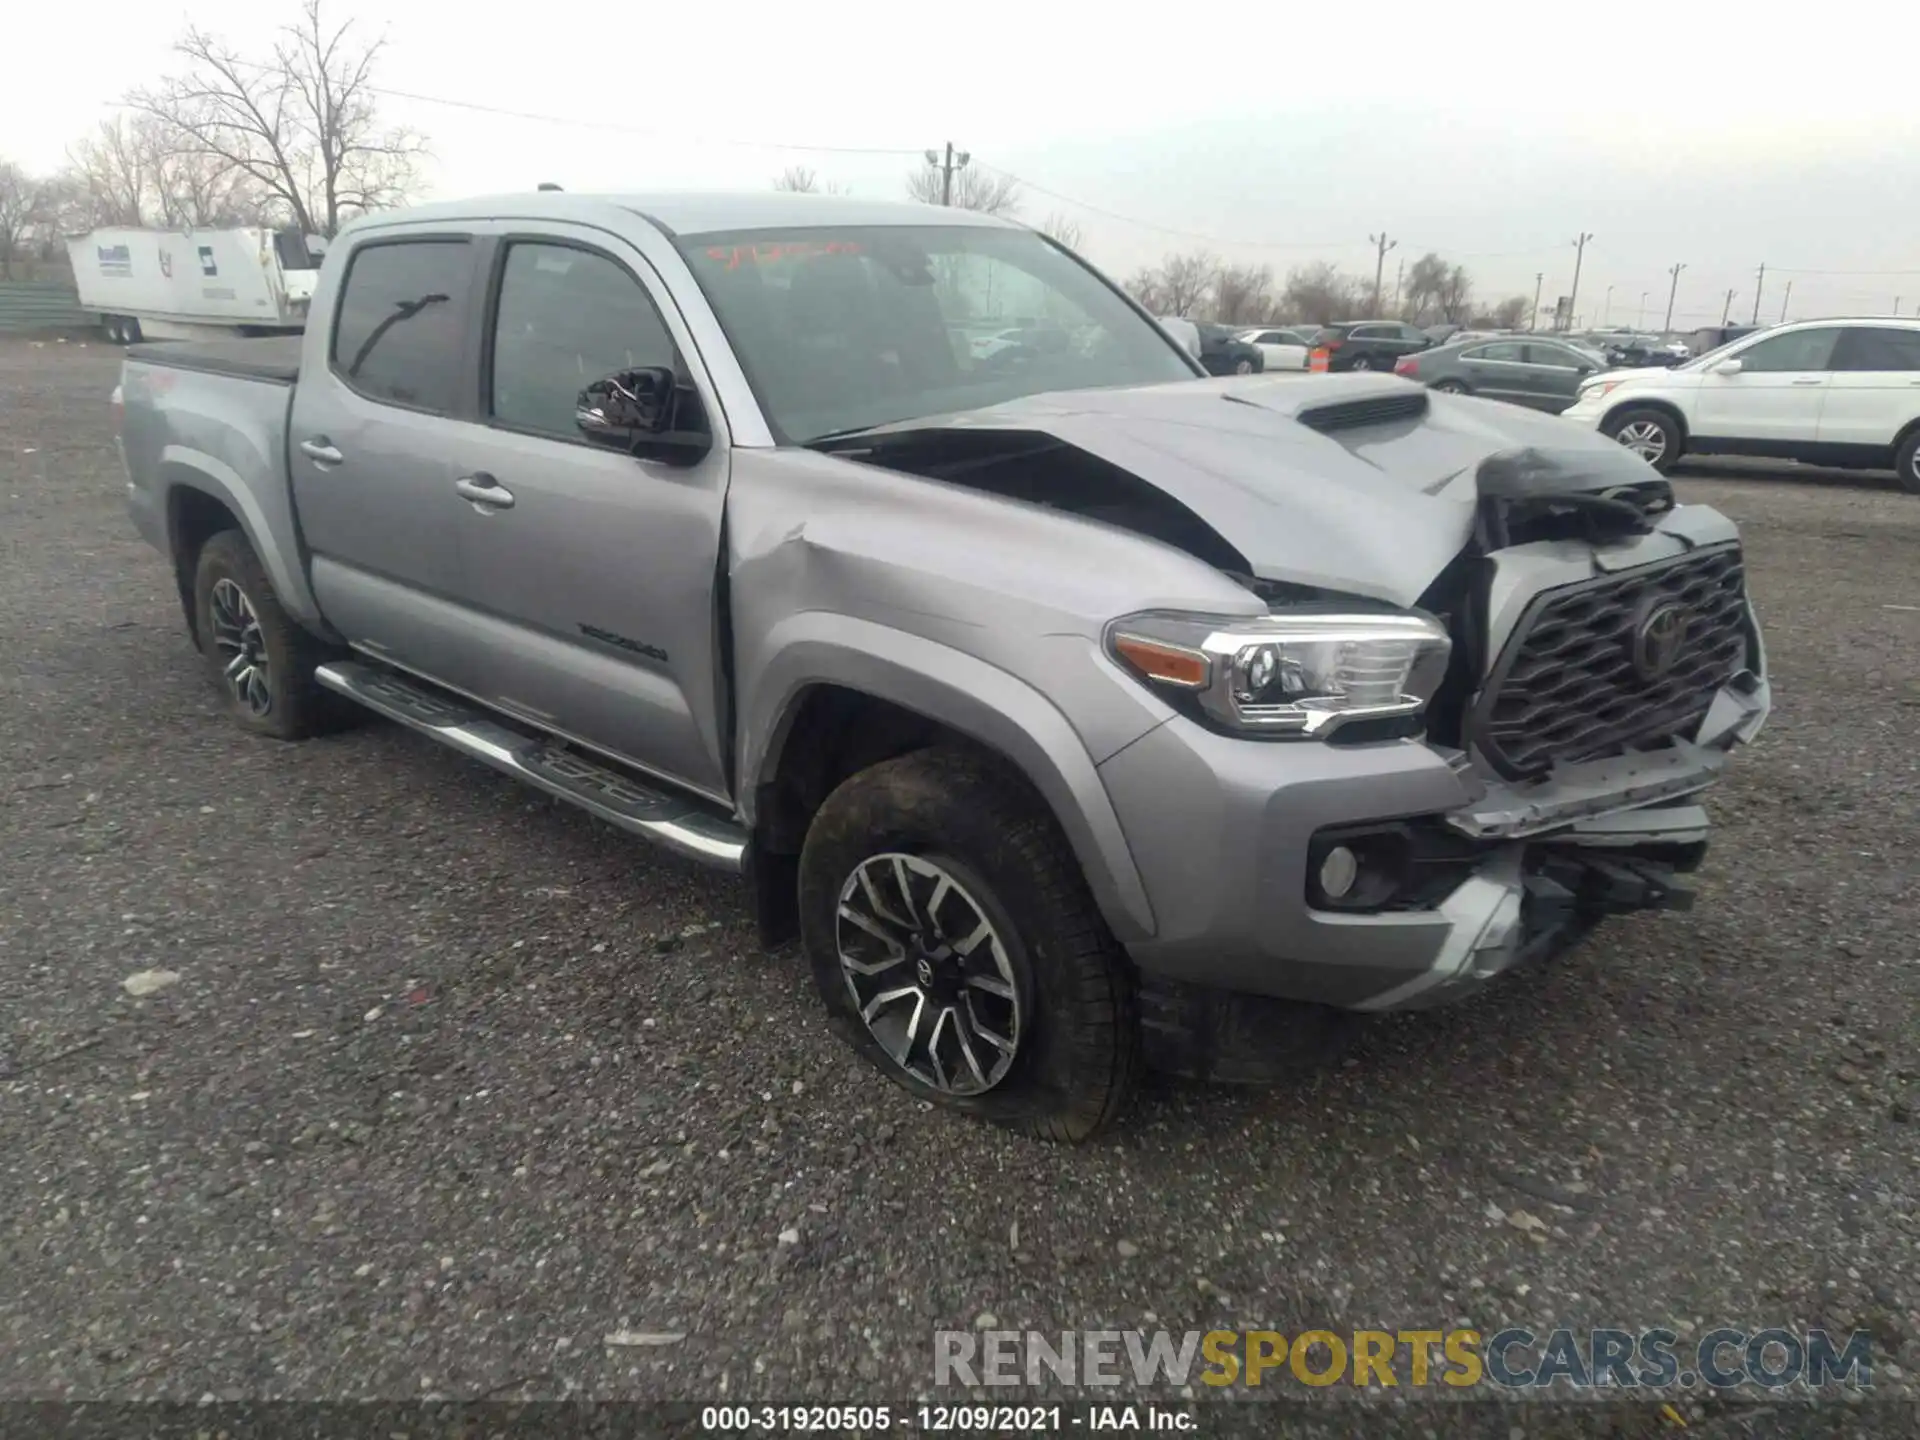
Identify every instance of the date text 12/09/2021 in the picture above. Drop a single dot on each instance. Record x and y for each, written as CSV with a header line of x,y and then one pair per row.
x,y
941,1419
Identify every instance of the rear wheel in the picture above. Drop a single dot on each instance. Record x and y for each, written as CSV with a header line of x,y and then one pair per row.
x,y
111,324
956,947
1451,387
1361,362
259,659
1906,463
1651,434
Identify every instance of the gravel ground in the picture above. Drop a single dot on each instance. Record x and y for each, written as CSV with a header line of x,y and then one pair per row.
x,y
455,1083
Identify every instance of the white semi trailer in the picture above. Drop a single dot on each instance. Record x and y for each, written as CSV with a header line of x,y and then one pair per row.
x,y
195,284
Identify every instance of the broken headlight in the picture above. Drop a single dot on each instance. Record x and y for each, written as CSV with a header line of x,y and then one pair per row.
x,y
1299,672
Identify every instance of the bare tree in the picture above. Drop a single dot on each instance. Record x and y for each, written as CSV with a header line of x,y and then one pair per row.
x,y
1186,281
1242,294
1144,286
1321,294
1420,296
302,125
18,206
974,188
1062,228
798,179
1455,296
1508,314
115,165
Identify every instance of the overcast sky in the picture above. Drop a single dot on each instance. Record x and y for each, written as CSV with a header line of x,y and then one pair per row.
x,y
1278,133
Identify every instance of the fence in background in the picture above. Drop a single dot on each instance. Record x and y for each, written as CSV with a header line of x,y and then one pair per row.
x,y
27,305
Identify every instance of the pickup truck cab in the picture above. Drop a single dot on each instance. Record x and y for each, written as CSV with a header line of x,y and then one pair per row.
x,y
1072,708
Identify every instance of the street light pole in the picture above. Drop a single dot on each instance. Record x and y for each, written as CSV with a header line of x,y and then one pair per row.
x,y
1641,323
946,168
1533,320
1579,254
1672,291
1381,245
1606,313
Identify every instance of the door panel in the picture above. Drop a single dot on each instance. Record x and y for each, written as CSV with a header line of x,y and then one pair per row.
x,y
1554,374
1777,396
1875,390
1498,371
370,435
597,584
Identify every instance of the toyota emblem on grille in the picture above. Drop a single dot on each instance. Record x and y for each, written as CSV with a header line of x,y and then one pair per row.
x,y
1658,639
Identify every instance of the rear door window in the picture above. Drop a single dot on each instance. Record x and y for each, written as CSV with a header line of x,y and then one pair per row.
x,y
1509,353
1870,347
399,333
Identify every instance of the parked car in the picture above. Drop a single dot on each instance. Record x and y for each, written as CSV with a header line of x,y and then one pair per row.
x,y
1184,331
1223,352
1827,392
675,509
1541,373
1712,337
1639,351
1281,349
1367,344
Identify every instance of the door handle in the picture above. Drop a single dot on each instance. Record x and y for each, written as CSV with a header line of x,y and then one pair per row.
x,y
1810,382
320,450
482,489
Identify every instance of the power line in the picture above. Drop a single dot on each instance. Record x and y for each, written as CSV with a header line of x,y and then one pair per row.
x,y
1165,229
481,109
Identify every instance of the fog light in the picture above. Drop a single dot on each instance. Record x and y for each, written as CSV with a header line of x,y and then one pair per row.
x,y
1338,872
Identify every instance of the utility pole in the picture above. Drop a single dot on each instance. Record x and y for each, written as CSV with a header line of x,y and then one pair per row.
x,y
1606,312
1579,254
1727,309
1641,323
1672,291
955,160
1533,320
1759,285
1400,278
1381,245
1783,302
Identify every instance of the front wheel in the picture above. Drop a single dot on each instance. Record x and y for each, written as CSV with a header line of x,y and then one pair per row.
x,y
1650,434
1361,363
1450,387
1243,367
956,947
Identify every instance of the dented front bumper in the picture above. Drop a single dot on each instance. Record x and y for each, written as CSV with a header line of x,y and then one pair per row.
x,y
1224,834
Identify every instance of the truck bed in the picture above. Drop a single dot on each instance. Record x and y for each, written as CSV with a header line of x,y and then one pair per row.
x,y
273,358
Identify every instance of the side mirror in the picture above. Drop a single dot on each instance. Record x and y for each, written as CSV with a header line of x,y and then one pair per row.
x,y
644,412
1727,367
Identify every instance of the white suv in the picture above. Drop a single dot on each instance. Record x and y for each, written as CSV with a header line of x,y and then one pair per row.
x,y
1828,392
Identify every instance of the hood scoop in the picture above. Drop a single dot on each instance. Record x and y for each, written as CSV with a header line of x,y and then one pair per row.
x,y
1368,410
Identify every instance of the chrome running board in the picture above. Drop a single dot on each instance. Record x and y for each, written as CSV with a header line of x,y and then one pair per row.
x,y
683,826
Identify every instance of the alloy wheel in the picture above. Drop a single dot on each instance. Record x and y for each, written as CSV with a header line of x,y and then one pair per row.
x,y
929,973
242,648
1645,438
1243,367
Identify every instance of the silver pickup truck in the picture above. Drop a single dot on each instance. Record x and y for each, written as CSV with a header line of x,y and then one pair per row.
x,y
1074,709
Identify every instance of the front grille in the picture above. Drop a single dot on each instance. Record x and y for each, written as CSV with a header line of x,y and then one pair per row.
x,y
1582,678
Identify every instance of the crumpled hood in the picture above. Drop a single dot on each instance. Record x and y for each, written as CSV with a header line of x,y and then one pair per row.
x,y
1375,508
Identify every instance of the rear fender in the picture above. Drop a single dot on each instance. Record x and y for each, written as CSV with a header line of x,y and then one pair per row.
x,y
269,525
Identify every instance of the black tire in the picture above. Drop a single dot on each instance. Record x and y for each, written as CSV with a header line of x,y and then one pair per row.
x,y
1906,463
130,330
1361,362
1075,1057
295,705
1243,367
1452,387
111,324
1643,421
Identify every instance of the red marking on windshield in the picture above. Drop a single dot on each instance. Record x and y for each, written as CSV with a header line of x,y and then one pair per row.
x,y
773,251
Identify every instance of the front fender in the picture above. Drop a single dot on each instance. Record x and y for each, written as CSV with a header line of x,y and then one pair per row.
x,y
987,704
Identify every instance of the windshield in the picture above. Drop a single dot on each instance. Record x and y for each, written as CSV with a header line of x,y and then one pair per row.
x,y
844,328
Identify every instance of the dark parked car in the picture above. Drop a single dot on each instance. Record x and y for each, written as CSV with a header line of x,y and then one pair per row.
x,y
1368,344
1544,374
1628,351
1223,352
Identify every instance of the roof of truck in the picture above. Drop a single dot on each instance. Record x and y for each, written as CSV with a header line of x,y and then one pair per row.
x,y
691,212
